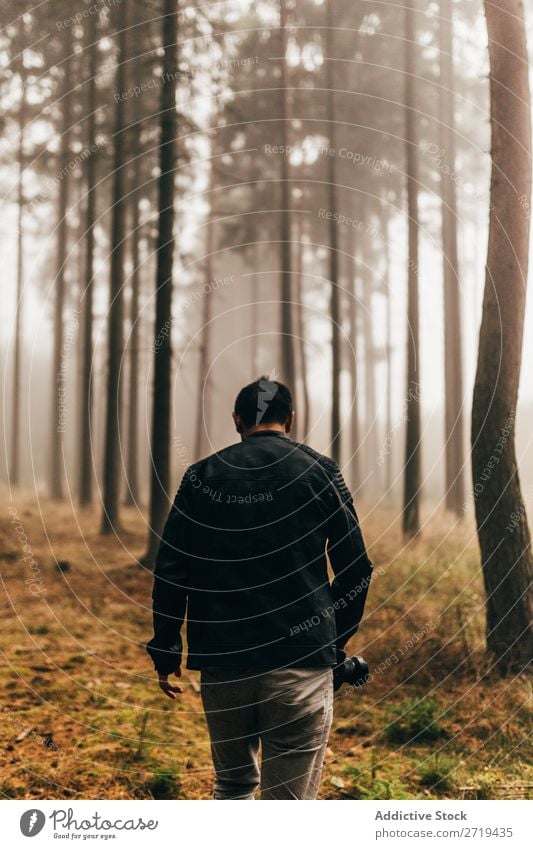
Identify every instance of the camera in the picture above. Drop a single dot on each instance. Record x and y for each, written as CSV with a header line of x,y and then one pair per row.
x,y
349,670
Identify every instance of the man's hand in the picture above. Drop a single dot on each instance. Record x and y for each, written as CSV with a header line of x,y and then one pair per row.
x,y
167,688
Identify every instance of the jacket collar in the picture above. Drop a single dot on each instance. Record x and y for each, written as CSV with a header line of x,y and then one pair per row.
x,y
266,433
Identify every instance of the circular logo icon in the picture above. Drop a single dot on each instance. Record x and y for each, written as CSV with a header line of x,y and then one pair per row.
x,y
32,822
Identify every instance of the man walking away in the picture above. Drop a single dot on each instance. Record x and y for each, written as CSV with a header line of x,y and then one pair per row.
x,y
243,559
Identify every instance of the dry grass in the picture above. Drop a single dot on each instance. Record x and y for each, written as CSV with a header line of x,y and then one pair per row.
x,y
83,717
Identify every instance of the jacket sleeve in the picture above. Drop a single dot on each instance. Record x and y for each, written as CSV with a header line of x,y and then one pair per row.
x,y
349,560
169,594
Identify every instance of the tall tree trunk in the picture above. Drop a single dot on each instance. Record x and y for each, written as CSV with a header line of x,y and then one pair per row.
x,y
286,312
254,339
115,343
413,446
161,402
203,410
302,420
14,475
385,219
133,487
333,239
58,378
355,471
453,356
86,435
133,490
370,379
502,525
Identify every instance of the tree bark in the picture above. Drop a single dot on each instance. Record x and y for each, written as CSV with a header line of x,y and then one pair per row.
x,y
286,311
502,525
413,445
14,475
86,433
370,380
254,339
161,402
133,491
355,471
115,343
203,410
385,229
302,426
453,356
333,239
133,488
58,384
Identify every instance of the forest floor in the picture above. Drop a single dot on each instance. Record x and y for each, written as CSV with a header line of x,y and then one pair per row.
x,y
83,716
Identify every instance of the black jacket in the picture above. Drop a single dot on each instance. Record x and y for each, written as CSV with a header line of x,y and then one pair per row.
x,y
243,553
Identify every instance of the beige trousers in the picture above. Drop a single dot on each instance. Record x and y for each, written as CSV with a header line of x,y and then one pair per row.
x,y
286,711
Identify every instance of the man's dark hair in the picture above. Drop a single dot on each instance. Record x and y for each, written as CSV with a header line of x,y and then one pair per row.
x,y
264,401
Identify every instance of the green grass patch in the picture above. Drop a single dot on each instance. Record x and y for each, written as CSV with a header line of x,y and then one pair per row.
x,y
414,720
162,785
438,774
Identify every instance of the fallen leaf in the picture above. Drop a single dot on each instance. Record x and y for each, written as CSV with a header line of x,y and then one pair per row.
x,y
23,734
